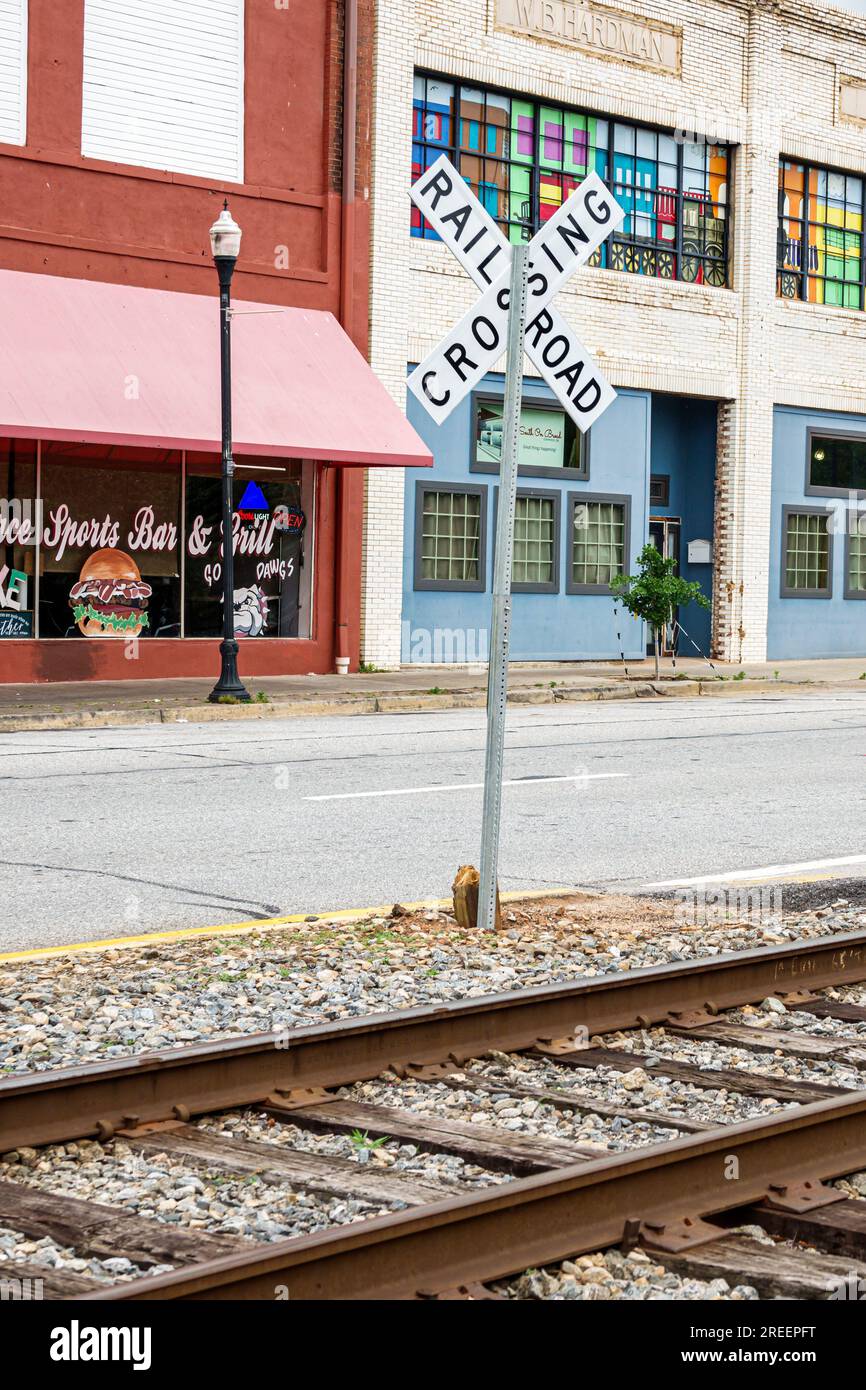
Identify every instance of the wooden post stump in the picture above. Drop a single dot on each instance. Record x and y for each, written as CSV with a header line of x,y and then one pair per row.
x,y
465,891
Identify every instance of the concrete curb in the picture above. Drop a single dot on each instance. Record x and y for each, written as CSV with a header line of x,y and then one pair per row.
x,y
393,703
335,917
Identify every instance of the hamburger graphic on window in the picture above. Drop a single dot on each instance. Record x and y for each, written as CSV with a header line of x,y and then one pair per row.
x,y
109,598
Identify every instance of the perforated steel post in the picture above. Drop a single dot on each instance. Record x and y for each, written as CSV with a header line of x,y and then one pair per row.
x,y
497,671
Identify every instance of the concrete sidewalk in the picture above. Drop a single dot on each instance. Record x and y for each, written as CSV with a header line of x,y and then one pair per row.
x,y
103,704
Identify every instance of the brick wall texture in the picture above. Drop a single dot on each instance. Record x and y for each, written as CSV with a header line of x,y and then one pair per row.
x,y
763,75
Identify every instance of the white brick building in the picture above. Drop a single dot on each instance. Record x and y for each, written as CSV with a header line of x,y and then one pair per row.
x,y
752,389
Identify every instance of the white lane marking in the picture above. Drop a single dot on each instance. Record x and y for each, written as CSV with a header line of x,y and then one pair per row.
x,y
466,786
768,871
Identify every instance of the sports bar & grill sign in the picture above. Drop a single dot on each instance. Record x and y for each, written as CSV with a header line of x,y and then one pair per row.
x,y
596,30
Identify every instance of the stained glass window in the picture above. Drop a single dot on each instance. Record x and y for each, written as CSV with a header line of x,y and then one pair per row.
x,y
820,239
524,157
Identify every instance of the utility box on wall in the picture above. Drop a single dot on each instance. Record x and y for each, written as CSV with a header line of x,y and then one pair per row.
x,y
700,552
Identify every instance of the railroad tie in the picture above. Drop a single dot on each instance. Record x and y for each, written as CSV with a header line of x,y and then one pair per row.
x,y
497,1149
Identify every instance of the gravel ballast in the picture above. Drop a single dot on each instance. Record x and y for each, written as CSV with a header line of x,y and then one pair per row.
x,y
511,1114
609,1275
182,1194
626,1090
80,1007
453,1173
16,1248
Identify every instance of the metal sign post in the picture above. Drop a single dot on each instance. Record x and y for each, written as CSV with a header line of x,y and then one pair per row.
x,y
517,284
497,671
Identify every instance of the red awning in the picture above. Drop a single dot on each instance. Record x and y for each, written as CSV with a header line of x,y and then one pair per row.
x,y
85,361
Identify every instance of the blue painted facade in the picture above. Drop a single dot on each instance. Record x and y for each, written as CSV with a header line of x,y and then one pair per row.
x,y
810,627
639,434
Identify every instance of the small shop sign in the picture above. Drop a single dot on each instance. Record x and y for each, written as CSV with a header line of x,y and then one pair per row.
x,y
253,506
289,520
16,624
542,436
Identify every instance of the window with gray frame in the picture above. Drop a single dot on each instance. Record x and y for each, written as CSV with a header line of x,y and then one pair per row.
x,y
535,558
807,553
598,541
855,555
450,537
835,463
536,542
550,445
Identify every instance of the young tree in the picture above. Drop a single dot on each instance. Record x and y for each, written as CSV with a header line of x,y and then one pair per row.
x,y
655,592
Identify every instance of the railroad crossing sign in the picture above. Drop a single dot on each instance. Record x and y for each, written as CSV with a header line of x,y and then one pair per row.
x,y
475,344
525,277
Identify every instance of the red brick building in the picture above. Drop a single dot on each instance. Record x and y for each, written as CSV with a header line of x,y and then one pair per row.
x,y
124,124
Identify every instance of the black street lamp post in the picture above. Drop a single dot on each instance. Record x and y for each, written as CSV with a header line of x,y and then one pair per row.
x,y
225,239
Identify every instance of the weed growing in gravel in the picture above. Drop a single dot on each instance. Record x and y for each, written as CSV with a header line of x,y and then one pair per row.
x,y
363,1141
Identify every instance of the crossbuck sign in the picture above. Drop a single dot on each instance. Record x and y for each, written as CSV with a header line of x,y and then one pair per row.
x,y
514,312
476,343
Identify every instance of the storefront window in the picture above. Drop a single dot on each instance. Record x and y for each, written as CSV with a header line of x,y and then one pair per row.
x,y
856,566
820,242
271,573
18,530
599,540
110,553
837,463
450,537
536,542
107,541
452,527
523,158
549,444
807,554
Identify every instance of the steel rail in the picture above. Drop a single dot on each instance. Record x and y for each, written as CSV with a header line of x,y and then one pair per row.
x,y
98,1099
534,1221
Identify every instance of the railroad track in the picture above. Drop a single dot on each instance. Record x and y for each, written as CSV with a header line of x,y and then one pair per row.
x,y
677,1178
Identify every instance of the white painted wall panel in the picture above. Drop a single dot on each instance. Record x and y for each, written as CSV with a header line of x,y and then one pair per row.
x,y
164,85
13,72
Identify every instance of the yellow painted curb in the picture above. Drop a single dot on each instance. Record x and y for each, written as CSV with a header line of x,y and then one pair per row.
x,y
347,914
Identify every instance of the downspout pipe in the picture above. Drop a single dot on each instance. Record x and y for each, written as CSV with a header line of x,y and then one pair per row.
x,y
345,540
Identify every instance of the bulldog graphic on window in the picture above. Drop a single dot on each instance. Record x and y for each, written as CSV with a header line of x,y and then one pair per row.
x,y
251,612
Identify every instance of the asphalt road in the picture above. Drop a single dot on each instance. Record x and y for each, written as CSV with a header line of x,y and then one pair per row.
x,y
122,831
